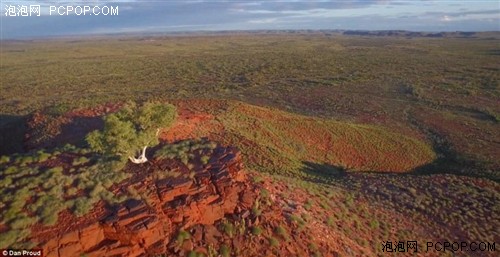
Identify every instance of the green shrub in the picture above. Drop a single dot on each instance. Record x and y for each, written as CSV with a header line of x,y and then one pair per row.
x,y
228,228
374,224
11,170
185,159
69,148
4,159
204,159
96,191
274,242
80,160
8,238
133,193
256,208
298,220
211,251
22,221
12,213
225,251
43,156
116,165
256,230
82,206
308,204
257,179
313,247
57,109
50,208
330,221
26,160
349,200
324,205
256,211
7,181
212,145
183,235
56,171
50,219
264,193
280,230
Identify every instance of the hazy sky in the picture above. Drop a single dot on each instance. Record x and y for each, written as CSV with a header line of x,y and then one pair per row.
x,y
165,16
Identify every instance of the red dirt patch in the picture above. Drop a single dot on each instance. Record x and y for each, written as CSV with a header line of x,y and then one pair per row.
x,y
186,126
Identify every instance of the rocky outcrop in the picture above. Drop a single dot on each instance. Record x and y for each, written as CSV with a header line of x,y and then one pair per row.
x,y
146,226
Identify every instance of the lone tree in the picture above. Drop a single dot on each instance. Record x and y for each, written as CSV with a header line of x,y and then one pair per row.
x,y
130,131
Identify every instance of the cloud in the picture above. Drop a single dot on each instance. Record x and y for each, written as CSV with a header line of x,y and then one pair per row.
x,y
164,16
291,6
467,13
445,18
262,21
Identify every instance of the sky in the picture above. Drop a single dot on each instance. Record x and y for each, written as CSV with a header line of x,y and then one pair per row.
x,y
68,18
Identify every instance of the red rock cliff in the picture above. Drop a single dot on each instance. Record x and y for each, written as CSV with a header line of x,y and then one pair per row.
x,y
145,227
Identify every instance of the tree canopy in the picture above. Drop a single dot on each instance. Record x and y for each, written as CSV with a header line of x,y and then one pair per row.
x,y
128,132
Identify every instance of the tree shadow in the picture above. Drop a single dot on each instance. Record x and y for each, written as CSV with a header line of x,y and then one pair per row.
x,y
322,172
75,131
451,162
459,166
12,130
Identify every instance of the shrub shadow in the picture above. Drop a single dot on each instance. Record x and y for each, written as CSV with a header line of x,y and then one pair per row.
x,y
12,130
322,172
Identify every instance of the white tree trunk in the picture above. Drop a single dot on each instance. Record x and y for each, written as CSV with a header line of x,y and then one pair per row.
x,y
142,157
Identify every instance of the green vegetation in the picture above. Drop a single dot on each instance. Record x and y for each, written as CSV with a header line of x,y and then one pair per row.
x,y
298,220
282,141
308,204
273,242
80,160
313,247
440,201
330,221
204,159
4,159
42,156
256,230
26,185
195,254
241,227
185,150
353,104
374,224
129,132
281,231
225,251
181,236
355,77
228,228
257,179
256,211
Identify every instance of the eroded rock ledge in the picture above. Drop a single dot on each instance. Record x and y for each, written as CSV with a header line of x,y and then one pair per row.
x,y
146,226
